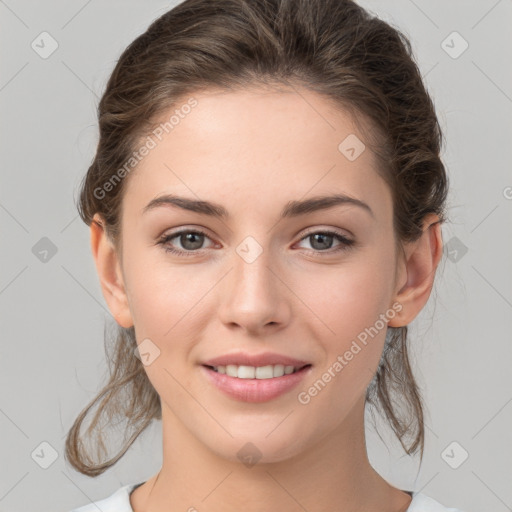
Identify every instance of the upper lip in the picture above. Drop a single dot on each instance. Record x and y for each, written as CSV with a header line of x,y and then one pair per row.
x,y
263,359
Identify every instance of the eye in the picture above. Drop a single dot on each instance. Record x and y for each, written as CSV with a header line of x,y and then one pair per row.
x,y
191,241
321,242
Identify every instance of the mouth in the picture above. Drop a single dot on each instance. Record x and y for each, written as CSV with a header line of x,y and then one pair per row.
x,y
255,383
257,372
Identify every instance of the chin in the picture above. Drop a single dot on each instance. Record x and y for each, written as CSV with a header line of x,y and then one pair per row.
x,y
251,446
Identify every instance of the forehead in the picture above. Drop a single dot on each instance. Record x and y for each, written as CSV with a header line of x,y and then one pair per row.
x,y
257,145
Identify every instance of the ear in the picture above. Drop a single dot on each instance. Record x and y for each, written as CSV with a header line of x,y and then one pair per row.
x,y
109,272
417,272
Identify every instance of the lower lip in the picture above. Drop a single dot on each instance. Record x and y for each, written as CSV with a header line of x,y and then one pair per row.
x,y
255,390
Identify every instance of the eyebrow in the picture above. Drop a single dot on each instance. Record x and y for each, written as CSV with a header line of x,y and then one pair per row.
x,y
291,209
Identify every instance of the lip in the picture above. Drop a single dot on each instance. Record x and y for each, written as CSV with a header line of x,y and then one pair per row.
x,y
254,390
263,359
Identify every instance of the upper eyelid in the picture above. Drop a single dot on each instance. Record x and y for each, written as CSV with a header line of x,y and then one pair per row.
x,y
336,231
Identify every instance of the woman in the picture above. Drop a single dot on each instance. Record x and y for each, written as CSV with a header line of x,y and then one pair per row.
x,y
265,208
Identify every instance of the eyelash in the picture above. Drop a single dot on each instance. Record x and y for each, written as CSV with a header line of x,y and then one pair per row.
x,y
346,243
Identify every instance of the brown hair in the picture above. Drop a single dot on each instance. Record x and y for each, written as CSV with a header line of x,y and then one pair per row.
x,y
333,47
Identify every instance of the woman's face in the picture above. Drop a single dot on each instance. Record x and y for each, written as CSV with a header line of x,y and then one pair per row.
x,y
259,282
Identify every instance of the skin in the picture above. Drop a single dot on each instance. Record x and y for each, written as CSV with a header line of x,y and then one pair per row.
x,y
252,151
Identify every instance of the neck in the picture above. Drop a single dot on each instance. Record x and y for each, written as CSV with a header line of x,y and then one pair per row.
x,y
332,474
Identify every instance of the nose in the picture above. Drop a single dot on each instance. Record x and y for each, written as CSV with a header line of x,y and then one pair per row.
x,y
254,296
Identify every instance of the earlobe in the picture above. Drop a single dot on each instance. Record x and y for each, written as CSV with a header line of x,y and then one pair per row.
x,y
421,261
109,273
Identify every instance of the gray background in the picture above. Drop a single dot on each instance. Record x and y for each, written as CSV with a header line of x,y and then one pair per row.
x,y
52,311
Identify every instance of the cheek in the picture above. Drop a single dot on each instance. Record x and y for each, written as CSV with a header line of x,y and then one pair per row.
x,y
164,297
351,297
165,301
352,307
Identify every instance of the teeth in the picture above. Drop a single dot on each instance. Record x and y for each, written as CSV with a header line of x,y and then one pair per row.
x,y
255,372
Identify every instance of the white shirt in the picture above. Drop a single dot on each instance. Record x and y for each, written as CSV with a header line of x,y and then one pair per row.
x,y
120,502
